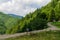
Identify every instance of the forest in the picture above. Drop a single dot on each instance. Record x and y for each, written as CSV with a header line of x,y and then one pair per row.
x,y
36,20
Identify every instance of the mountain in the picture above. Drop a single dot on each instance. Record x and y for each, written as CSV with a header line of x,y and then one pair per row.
x,y
39,18
52,10
7,22
36,20
15,15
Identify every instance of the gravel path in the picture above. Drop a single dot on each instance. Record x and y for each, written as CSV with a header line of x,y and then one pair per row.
x,y
21,34
52,27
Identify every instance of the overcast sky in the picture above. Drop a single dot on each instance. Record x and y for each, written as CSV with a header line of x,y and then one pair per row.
x,y
21,7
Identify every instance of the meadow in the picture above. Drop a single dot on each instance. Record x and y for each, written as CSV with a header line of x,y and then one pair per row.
x,y
57,24
47,35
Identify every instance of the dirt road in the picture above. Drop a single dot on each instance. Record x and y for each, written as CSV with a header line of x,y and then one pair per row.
x,y
21,34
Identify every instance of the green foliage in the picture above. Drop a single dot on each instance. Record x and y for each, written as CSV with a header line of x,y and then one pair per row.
x,y
57,24
38,19
34,21
52,15
37,24
2,27
52,10
8,24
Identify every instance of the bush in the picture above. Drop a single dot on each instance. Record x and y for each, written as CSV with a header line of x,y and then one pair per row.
x,y
35,24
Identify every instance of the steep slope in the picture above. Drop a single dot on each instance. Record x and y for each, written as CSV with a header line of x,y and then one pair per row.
x,y
52,10
36,20
49,12
7,23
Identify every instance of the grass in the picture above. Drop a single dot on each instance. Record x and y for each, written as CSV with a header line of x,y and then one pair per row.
x,y
50,35
56,24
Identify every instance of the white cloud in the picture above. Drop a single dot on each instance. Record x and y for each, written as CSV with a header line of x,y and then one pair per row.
x,y
22,7
2,1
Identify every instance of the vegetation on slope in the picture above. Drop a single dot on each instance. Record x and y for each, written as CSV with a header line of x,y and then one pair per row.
x,y
8,23
33,21
50,12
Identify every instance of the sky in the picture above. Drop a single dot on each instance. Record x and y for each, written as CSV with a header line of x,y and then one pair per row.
x,y
21,7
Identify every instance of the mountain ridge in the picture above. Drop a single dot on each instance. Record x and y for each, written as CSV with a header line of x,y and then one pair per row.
x,y
15,15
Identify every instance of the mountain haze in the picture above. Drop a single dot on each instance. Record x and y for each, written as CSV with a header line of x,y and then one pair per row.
x,y
13,15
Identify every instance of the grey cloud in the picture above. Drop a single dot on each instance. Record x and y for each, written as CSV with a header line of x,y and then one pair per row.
x,y
21,7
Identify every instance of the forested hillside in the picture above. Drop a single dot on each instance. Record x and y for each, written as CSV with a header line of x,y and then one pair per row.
x,y
39,18
52,10
8,23
36,20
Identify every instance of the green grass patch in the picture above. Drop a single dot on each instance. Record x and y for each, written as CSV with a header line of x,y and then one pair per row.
x,y
56,24
50,35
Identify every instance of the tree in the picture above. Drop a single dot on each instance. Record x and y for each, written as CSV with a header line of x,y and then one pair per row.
x,y
2,27
52,15
37,24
